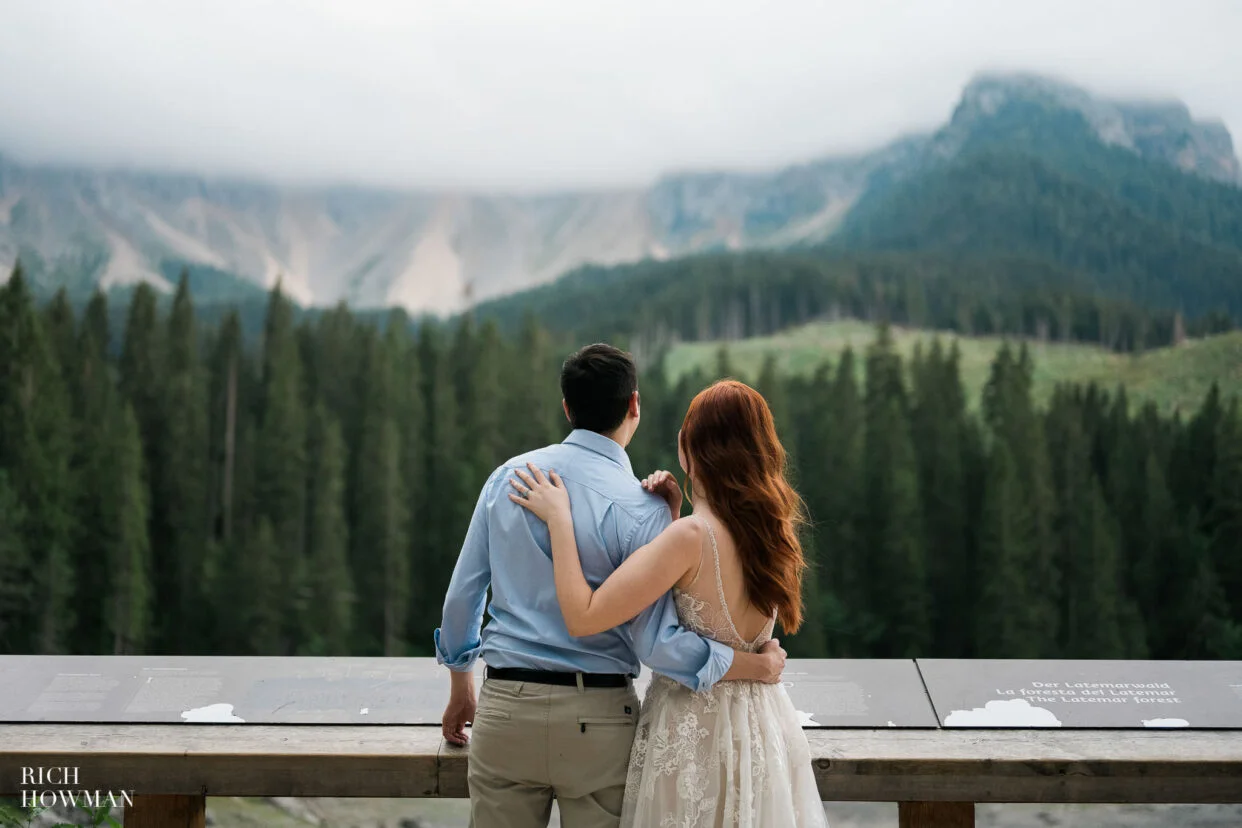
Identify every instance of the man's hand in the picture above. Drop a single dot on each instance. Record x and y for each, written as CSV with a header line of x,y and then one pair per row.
x,y
461,709
774,660
665,485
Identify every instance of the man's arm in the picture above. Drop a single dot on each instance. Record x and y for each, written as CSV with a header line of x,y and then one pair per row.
x,y
457,640
668,648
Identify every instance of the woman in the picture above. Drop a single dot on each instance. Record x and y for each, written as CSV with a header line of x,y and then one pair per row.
x,y
734,755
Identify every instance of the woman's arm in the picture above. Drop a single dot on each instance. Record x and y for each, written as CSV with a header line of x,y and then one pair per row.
x,y
646,575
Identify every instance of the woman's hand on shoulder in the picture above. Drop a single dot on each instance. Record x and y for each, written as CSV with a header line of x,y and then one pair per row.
x,y
665,484
545,496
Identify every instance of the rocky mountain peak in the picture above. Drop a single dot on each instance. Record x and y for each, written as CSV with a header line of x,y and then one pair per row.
x,y
1159,130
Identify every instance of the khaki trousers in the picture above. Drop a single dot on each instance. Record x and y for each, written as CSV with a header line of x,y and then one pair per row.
x,y
530,742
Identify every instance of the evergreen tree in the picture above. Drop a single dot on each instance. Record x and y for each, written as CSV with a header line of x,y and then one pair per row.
x,y
16,596
261,627
1154,559
837,507
1226,517
939,426
280,469
381,531
141,374
1010,414
35,449
329,617
999,632
180,521
443,471
897,573
534,396
128,592
97,413
61,329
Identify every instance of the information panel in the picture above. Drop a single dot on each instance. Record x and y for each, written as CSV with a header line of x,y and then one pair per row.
x,y
260,690
222,689
1085,694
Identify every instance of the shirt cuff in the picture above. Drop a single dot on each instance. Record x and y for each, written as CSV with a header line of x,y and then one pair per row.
x,y
719,660
464,662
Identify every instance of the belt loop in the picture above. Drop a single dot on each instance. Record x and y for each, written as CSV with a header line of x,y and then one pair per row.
x,y
581,688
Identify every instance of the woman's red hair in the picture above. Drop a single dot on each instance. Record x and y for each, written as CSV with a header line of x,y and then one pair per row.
x,y
738,464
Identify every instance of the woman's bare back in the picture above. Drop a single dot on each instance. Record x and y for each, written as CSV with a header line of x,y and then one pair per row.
x,y
712,601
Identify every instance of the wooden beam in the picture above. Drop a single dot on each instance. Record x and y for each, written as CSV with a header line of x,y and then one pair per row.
x,y
1049,765
886,765
230,760
167,812
936,814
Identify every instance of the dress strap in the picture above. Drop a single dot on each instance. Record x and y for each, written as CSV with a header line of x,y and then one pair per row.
x,y
720,593
699,569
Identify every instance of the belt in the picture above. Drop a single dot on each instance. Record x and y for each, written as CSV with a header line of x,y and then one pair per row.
x,y
564,679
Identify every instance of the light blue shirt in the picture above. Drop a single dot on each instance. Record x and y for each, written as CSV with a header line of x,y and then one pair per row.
x,y
509,549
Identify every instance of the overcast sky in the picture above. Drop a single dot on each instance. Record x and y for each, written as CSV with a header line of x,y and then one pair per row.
x,y
516,94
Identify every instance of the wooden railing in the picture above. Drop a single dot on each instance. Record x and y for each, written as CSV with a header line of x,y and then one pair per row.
x,y
935,773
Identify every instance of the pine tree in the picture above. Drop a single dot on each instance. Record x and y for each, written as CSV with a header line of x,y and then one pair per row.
x,y
97,403
1154,558
1010,414
180,520
61,329
35,449
999,632
441,533
329,616
280,468
1226,517
16,595
534,394
230,429
939,425
838,504
381,534
897,574
262,620
141,373
128,590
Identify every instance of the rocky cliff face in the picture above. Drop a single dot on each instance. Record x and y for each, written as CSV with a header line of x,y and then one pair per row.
x,y
440,252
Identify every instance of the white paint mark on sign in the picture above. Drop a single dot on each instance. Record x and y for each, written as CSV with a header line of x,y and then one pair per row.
x,y
212,713
1006,713
1165,723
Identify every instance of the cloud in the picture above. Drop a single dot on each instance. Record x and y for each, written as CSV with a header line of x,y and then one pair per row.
x,y
547,93
1007,713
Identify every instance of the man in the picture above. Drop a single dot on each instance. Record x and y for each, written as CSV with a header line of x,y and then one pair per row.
x,y
557,714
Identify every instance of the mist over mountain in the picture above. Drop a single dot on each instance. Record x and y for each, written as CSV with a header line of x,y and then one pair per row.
x,y
441,252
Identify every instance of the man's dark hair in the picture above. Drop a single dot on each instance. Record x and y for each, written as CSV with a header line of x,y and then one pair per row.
x,y
597,383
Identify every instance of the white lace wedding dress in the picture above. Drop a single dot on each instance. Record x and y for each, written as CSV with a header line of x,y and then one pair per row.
x,y
733,756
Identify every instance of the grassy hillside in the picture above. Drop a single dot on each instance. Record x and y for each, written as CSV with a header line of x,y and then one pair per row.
x,y
1174,378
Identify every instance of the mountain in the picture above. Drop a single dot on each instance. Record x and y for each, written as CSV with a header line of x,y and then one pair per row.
x,y
1017,149
1033,168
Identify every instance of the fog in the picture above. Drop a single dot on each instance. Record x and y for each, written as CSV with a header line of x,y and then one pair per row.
x,y
498,95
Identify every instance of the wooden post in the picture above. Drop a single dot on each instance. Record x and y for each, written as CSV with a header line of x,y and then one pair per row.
x,y
936,814
158,811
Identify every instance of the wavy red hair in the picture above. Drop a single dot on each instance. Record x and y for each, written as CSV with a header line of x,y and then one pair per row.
x,y
739,468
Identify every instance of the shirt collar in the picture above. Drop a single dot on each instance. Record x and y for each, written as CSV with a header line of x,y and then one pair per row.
x,y
600,444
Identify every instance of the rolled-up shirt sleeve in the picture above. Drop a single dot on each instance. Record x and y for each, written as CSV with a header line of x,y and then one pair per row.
x,y
458,638
661,642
